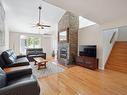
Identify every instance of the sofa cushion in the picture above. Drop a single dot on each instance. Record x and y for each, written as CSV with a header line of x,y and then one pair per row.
x,y
21,60
2,78
14,55
39,55
18,62
39,52
11,59
9,56
31,52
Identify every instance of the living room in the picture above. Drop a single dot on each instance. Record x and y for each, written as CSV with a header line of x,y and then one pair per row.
x,y
52,47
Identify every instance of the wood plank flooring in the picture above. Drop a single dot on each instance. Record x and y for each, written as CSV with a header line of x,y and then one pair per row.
x,y
118,58
81,81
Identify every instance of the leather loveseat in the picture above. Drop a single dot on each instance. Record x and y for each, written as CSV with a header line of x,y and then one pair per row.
x,y
8,58
35,52
20,82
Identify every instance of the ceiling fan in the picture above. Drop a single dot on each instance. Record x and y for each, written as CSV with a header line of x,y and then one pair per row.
x,y
39,25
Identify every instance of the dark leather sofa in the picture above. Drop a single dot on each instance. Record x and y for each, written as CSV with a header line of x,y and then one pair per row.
x,y
35,52
8,58
20,82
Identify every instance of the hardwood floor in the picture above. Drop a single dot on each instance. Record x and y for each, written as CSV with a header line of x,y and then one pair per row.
x,y
81,81
118,58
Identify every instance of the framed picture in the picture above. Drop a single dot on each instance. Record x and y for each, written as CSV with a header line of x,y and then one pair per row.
x,y
2,25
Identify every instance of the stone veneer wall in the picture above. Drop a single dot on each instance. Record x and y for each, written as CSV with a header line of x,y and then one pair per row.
x,y
71,21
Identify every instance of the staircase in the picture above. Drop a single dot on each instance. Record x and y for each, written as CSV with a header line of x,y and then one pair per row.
x,y
118,58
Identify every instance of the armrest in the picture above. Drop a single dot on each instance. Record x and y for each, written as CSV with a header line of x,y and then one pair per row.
x,y
18,73
29,87
20,56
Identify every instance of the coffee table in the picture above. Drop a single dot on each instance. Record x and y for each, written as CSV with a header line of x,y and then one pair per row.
x,y
40,62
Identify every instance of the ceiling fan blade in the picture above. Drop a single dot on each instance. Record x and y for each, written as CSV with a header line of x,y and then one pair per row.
x,y
45,25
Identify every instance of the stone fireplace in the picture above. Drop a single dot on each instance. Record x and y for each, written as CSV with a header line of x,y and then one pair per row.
x,y
63,53
67,50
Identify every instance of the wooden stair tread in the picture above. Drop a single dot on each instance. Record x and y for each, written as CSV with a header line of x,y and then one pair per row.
x,y
118,65
118,58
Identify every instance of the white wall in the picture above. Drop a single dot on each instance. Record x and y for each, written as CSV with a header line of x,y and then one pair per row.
x,y
122,33
92,35
115,24
6,46
46,42
107,46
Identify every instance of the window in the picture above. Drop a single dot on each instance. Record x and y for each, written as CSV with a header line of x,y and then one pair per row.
x,y
83,22
29,42
32,42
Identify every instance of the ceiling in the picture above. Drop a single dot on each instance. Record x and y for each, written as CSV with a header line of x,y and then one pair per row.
x,y
99,11
23,14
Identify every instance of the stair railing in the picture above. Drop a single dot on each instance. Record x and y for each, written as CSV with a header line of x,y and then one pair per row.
x,y
112,38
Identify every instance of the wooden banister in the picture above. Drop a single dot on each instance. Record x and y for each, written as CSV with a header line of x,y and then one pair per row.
x,y
112,38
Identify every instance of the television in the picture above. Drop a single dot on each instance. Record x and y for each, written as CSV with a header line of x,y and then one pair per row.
x,y
88,50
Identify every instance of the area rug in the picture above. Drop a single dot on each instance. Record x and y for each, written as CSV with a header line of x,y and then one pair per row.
x,y
51,69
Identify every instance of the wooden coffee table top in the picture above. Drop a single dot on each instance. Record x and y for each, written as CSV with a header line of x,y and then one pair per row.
x,y
40,59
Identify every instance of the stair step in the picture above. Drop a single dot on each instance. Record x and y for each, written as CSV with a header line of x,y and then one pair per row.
x,y
110,62
116,62
118,65
120,49
117,54
122,70
118,58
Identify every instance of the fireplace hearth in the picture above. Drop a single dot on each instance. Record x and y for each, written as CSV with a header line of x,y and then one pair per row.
x,y
63,53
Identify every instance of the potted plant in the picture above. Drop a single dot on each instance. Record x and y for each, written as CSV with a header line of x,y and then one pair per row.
x,y
53,53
